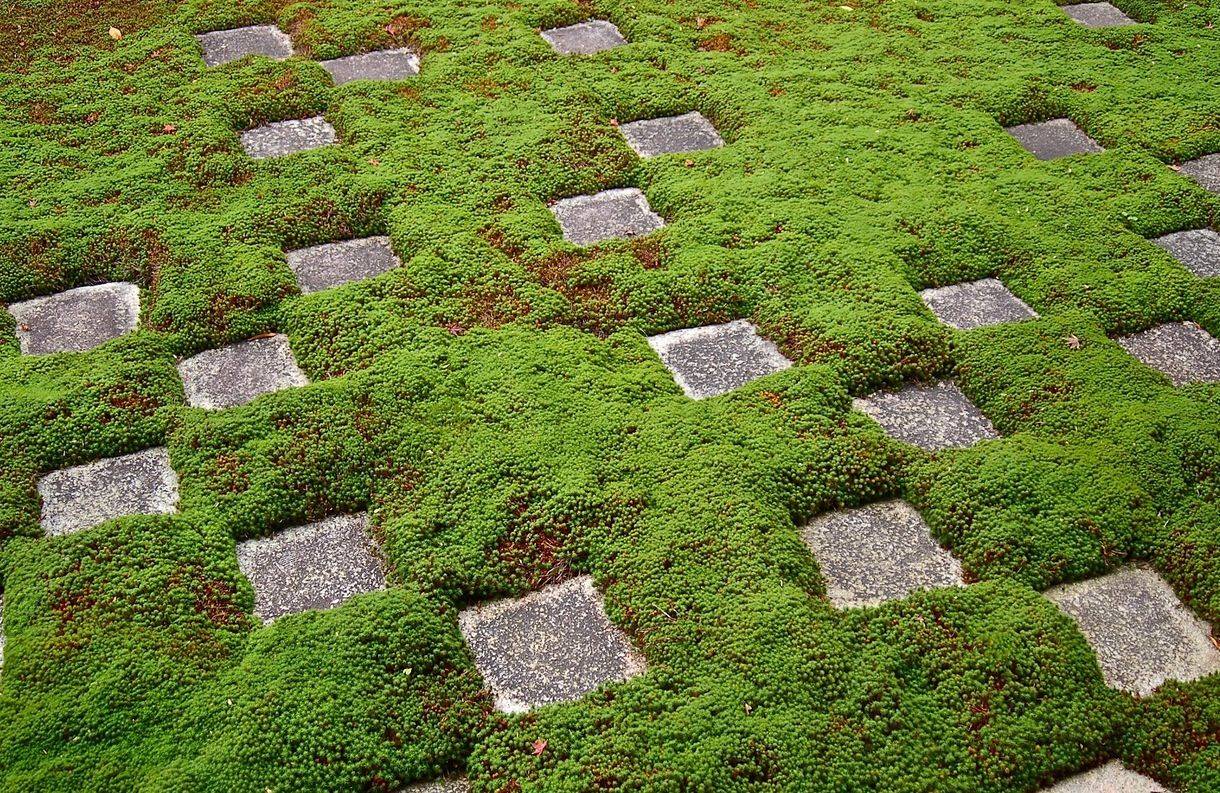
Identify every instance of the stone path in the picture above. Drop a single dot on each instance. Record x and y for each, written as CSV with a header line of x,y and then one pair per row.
x,y
585,38
76,320
933,417
1182,351
234,375
1049,140
683,134
715,359
336,263
1109,778
450,785
1205,171
976,304
611,214
85,495
1098,15
281,138
1197,249
224,46
381,65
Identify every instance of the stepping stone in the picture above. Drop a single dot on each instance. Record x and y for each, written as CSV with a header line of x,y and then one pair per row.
x,y
611,214
1197,249
976,304
1098,15
324,266
1205,171
716,359
1182,351
76,320
1109,778
223,46
1048,140
585,38
554,645
234,375
281,138
450,785
1141,632
933,417
382,65
671,135
85,495
878,552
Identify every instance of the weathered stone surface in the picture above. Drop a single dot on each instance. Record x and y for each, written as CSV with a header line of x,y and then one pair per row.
x,y
78,319
937,416
1097,15
1205,171
281,138
325,266
312,567
1048,140
381,65
1182,351
716,359
234,375
1109,778
554,645
611,214
1197,249
85,495
976,304
449,785
671,135
223,46
878,552
585,38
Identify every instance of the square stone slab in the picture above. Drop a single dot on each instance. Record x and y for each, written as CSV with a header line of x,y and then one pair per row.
x,y
1141,632
1182,351
1197,249
716,359
85,495
585,38
671,135
1048,140
1109,778
223,46
382,65
976,304
324,266
281,138
878,552
933,417
76,320
450,785
234,375
1205,171
1098,15
554,645
611,214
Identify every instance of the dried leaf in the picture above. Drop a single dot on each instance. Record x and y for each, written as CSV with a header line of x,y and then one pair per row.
x,y
539,746
116,34
1073,342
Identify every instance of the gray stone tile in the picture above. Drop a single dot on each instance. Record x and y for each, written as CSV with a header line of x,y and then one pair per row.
x,y
1141,632
325,266
585,38
78,319
878,552
1098,15
689,132
281,138
933,417
1048,140
382,65
85,495
449,785
1109,778
611,214
238,373
976,304
223,46
554,645
716,359
1205,171
1182,351
1197,249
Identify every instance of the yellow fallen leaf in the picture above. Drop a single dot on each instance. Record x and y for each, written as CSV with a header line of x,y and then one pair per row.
x,y
116,34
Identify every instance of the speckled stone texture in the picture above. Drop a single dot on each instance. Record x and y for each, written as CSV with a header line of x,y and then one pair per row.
x,y
312,567
325,266
1197,249
878,552
716,359
671,135
382,65
933,417
1109,778
450,785
85,495
281,138
223,46
78,319
554,645
234,375
1182,351
976,304
585,38
611,214
1049,140
1205,171
1097,15
1140,631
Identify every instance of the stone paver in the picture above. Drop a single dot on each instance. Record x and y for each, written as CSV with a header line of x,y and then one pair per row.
x,y
325,266
312,567
1197,249
1205,171
238,373
78,319
281,138
1182,351
449,785
716,359
223,46
1109,778
85,495
1098,15
1141,632
686,133
976,304
1048,140
932,416
878,552
381,65
554,645
611,214
585,38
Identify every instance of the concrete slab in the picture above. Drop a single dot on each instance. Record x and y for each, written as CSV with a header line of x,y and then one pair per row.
x,y
976,304
554,645
85,495
716,359
1049,140
1205,171
611,214
76,320
585,38
686,133
933,417
1109,778
234,375
336,263
449,785
223,46
1098,15
381,65
281,138
1197,249
1182,351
